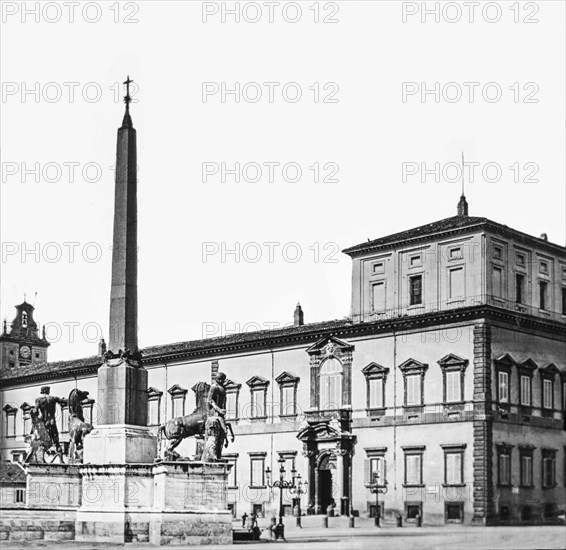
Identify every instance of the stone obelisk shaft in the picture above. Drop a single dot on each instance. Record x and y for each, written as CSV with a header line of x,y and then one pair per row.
x,y
124,293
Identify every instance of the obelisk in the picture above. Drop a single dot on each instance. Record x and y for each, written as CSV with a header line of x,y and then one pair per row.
x,y
122,435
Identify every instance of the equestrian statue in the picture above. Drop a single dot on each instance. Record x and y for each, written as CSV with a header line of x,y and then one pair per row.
x,y
207,422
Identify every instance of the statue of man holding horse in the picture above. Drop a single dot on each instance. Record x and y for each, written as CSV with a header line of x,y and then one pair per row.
x,y
46,405
206,421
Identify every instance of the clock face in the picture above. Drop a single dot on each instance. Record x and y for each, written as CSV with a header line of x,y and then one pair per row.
x,y
25,352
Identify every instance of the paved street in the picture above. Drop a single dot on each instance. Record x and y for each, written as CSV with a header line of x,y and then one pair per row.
x,y
365,536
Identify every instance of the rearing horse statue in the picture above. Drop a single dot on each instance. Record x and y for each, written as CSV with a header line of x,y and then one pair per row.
x,y
191,425
78,428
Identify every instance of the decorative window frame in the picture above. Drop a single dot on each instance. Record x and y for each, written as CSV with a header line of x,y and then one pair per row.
x,y
180,394
10,411
232,458
410,367
526,451
375,453
373,371
526,368
456,448
287,380
548,373
504,363
258,384
326,348
26,417
453,363
154,395
232,388
257,455
548,454
410,451
507,450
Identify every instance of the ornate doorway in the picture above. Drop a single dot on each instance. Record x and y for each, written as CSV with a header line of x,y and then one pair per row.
x,y
325,473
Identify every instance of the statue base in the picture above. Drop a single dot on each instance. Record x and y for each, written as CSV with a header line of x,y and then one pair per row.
x,y
120,444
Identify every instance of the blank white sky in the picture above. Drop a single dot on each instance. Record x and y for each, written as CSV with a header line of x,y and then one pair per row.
x,y
369,134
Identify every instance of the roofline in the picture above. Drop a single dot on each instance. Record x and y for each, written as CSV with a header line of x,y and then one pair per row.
x,y
365,248
346,329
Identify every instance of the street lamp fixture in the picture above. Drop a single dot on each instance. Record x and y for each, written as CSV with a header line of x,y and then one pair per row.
x,y
376,488
300,488
282,484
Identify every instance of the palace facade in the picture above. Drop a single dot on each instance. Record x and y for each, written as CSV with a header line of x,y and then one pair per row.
x,y
445,388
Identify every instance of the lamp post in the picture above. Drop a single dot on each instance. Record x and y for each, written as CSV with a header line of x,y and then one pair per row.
x,y
376,488
281,484
299,488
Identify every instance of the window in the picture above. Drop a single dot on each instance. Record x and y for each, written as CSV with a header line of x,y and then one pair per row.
x,y
525,390
416,261
376,471
24,319
232,475
497,282
456,287
257,466
453,464
178,398
26,418
413,509
376,376
64,419
153,407
548,374
10,420
378,296
414,465
88,406
548,468
519,288
504,464
503,366
415,290
498,252
503,386
453,369
455,254
526,463
413,374
19,496
521,260
375,466
454,512
288,384
232,400
543,286
378,267
547,394
331,384
544,268
413,382
258,392
563,300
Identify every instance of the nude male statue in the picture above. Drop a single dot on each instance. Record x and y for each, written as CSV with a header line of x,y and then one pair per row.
x,y
47,405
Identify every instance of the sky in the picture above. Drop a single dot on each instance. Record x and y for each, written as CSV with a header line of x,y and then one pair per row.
x,y
341,121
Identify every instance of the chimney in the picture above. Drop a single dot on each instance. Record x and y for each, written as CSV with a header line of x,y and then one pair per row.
x,y
544,236
298,316
463,206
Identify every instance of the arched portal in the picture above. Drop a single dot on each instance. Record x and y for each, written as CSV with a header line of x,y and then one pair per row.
x,y
325,473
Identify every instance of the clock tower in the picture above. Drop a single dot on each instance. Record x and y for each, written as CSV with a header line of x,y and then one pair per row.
x,y
20,343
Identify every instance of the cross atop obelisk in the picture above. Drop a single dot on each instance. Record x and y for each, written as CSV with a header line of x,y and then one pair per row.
x,y
127,122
